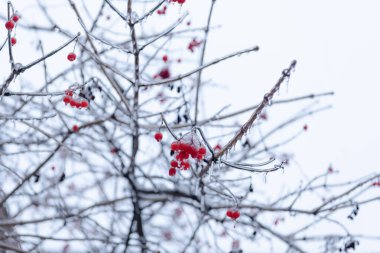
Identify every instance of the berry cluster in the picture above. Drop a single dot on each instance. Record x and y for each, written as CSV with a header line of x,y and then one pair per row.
x,y
193,44
188,146
10,24
78,103
233,214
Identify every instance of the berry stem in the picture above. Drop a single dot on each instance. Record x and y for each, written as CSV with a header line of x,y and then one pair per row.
x,y
49,54
167,126
201,62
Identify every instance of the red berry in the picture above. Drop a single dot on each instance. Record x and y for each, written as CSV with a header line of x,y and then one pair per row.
x,y
15,18
158,136
172,172
305,127
186,165
66,99
9,25
236,215
185,155
181,146
186,148
164,74
376,184
13,41
181,1
188,23
165,58
174,164
202,151
75,128
174,146
194,155
73,103
84,104
71,56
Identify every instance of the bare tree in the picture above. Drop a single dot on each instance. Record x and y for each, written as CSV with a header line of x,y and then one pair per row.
x,y
110,152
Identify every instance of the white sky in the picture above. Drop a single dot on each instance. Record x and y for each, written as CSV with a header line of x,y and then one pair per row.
x,y
336,44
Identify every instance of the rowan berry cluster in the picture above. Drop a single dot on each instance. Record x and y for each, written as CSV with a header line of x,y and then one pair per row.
x,y
74,102
182,150
10,24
